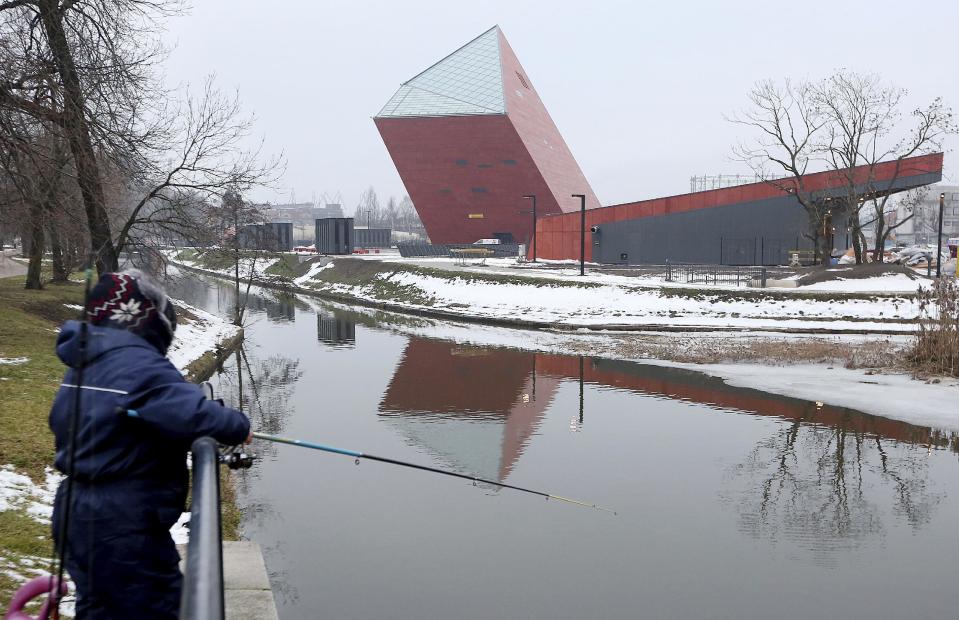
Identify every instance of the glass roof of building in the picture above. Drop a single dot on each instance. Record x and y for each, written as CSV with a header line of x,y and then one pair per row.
x,y
467,82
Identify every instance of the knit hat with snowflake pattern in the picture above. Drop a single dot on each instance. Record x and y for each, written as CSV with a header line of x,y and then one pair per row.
x,y
131,300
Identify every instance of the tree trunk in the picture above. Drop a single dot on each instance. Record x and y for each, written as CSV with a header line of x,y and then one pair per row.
x,y
78,133
60,273
881,233
857,246
34,269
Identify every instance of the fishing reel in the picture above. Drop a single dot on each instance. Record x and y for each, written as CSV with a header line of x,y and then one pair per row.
x,y
232,456
237,459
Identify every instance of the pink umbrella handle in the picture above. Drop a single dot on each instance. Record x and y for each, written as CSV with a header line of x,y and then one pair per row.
x,y
38,586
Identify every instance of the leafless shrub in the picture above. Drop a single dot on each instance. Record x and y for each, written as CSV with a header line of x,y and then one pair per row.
x,y
936,349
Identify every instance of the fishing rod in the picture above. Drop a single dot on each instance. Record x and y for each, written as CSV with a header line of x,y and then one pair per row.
x,y
382,459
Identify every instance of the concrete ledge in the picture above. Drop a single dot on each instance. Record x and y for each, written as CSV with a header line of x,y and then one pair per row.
x,y
246,586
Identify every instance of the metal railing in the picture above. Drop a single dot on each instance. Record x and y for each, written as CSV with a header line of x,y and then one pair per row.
x,y
721,274
203,583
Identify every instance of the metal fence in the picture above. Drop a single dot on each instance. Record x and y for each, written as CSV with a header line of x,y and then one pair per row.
x,y
418,250
203,583
722,274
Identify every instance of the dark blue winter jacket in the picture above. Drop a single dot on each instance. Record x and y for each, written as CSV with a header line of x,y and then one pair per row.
x,y
125,372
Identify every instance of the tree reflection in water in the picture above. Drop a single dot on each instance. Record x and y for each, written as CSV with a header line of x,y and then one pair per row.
x,y
829,488
262,388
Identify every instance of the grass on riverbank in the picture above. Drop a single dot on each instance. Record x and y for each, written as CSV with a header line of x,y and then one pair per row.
x,y
28,323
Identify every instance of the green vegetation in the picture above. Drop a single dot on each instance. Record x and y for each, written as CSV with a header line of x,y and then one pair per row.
x,y
28,323
187,254
287,266
357,272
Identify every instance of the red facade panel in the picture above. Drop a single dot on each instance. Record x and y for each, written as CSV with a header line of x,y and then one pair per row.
x,y
540,135
462,166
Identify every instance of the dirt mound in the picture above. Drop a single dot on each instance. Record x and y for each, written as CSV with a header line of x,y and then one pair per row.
x,y
815,275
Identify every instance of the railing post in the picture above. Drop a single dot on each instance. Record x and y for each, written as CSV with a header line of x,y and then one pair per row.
x,y
763,277
203,583
669,273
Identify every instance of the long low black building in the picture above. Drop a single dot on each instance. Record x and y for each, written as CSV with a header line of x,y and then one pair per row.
x,y
372,237
754,224
272,236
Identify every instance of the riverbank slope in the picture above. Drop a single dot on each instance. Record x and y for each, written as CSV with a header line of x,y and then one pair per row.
x,y
599,301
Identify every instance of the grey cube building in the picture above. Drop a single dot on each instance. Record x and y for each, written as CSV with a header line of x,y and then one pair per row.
x,y
334,235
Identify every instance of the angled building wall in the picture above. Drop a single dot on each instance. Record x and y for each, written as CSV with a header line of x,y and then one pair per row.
x,y
469,137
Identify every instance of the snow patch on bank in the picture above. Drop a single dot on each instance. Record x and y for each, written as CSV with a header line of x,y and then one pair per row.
x,y
886,283
13,361
19,492
895,396
315,268
608,304
194,338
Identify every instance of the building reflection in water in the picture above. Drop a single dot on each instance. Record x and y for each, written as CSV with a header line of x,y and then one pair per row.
x,y
206,292
817,480
278,307
335,330
494,393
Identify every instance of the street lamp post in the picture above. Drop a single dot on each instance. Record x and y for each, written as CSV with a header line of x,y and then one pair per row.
x,y
533,198
942,203
582,233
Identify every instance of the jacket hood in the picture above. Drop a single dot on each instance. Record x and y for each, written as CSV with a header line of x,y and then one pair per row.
x,y
100,340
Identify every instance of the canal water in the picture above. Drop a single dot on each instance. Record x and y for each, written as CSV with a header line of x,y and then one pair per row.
x,y
731,503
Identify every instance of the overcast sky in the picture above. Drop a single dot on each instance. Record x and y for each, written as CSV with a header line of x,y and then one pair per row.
x,y
639,92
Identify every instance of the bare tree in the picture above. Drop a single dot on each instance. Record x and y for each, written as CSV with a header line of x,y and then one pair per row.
x,y
195,160
788,123
850,124
32,159
86,45
863,129
145,167
368,210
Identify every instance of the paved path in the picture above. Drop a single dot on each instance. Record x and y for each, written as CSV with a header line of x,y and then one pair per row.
x,y
10,267
246,587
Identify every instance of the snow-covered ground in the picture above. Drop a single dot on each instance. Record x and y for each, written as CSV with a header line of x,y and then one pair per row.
x,y
559,297
257,268
569,271
619,302
194,338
